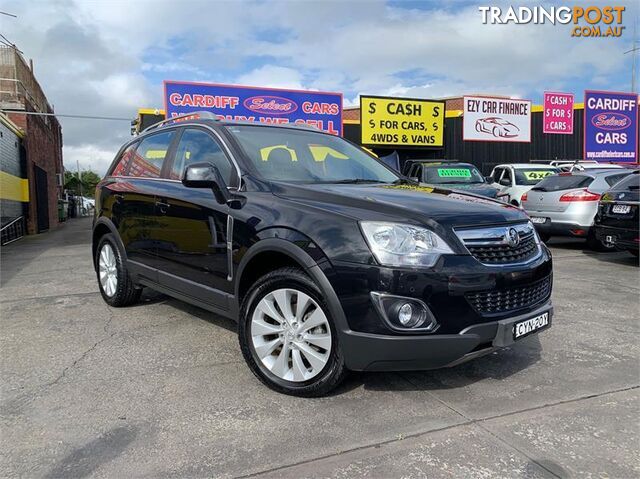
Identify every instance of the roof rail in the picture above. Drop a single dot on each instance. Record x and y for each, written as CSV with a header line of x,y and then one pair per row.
x,y
196,115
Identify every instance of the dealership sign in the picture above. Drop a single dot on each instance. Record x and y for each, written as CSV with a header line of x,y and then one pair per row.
x,y
322,110
496,119
610,126
558,113
401,122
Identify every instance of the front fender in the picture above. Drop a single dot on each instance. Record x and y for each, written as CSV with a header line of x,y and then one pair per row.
x,y
303,251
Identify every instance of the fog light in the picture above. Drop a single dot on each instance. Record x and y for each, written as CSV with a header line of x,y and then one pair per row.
x,y
404,314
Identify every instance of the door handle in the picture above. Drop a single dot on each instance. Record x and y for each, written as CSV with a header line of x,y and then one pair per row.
x,y
163,206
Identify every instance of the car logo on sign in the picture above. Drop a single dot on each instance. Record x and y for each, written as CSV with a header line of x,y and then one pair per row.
x,y
611,121
272,105
512,237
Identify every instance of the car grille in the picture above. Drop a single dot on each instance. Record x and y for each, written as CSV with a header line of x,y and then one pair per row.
x,y
491,246
511,299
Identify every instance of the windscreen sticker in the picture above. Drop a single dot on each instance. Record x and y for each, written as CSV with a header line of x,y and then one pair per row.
x,y
454,173
537,175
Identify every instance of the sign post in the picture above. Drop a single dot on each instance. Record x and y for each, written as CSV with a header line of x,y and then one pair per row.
x,y
496,119
558,113
610,126
322,110
401,122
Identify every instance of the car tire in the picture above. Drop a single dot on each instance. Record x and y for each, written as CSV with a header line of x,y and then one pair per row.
x,y
276,346
114,281
593,243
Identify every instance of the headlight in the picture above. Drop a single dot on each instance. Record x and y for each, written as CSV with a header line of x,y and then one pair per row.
x,y
396,244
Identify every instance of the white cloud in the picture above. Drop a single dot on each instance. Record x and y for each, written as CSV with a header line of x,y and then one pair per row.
x,y
273,77
107,57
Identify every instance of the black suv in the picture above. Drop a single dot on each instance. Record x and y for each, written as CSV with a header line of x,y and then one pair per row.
x,y
328,259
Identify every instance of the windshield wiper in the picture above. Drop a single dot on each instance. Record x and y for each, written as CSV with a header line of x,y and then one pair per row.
x,y
352,181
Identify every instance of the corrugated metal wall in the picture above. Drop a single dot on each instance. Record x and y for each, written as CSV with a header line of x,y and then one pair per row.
x,y
484,154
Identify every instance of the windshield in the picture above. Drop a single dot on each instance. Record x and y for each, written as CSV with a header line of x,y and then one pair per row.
x,y
451,174
286,154
533,175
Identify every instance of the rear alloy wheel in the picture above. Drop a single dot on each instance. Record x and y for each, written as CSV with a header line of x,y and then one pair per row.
x,y
287,335
115,284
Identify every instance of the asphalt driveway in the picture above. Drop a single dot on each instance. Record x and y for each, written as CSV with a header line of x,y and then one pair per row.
x,y
161,390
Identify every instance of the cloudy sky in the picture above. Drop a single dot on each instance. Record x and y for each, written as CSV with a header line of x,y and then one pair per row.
x,y
108,58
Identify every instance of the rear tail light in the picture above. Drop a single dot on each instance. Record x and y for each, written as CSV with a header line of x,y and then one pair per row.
x,y
524,197
581,195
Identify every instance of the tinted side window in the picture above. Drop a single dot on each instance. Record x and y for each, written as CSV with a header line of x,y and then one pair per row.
x,y
496,174
613,179
124,163
150,155
631,182
198,146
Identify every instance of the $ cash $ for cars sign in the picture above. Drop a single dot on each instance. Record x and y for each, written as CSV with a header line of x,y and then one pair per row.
x,y
399,122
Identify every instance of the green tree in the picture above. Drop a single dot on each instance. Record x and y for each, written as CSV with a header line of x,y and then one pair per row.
x,y
89,181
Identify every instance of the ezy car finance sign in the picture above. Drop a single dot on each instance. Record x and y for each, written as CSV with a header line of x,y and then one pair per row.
x,y
496,119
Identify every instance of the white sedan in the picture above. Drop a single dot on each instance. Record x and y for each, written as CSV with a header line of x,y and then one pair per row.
x,y
514,180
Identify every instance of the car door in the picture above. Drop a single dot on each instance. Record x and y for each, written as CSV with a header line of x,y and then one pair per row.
x,y
194,227
133,185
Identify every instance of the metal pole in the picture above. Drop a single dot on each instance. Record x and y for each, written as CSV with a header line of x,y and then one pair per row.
x,y
80,188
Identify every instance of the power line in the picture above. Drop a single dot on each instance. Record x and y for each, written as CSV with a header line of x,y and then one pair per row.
x,y
9,14
84,117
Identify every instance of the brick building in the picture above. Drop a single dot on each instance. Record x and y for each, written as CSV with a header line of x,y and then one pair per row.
x,y
20,93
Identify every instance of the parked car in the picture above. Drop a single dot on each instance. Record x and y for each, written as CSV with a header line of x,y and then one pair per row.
x,y
581,165
328,259
515,179
566,204
617,219
452,175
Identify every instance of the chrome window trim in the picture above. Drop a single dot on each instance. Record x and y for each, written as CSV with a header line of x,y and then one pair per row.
x,y
229,248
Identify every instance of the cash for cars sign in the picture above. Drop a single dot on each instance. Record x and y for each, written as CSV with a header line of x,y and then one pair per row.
x,y
610,126
496,119
558,113
401,122
322,110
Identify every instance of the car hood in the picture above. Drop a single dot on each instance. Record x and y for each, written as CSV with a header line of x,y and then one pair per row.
x,y
476,189
423,204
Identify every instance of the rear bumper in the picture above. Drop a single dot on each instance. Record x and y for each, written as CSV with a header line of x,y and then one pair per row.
x,y
375,352
622,237
557,228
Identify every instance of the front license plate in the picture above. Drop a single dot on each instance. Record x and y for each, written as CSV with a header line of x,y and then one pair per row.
x,y
621,209
529,326
538,220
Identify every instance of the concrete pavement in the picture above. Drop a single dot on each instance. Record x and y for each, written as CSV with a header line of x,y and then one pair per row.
x,y
160,389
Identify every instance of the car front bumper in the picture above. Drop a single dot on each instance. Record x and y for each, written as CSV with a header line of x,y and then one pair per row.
x,y
375,352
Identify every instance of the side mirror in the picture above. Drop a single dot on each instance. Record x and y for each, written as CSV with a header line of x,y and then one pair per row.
x,y
206,175
505,182
489,179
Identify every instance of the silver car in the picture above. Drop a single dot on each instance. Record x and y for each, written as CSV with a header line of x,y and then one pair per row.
x,y
566,204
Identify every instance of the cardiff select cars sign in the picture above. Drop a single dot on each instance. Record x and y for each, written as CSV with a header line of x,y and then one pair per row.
x,y
401,122
322,110
496,119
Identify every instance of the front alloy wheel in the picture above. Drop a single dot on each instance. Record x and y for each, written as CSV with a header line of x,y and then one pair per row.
x,y
291,335
288,337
